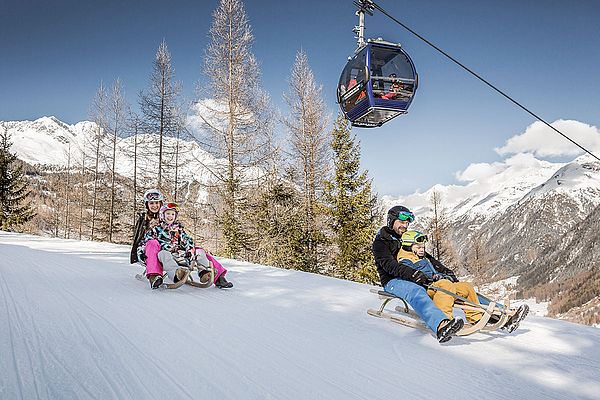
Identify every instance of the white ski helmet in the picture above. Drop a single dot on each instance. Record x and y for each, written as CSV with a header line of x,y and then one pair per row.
x,y
153,195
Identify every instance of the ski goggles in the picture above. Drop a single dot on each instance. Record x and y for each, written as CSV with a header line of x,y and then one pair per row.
x,y
171,206
406,216
421,239
153,196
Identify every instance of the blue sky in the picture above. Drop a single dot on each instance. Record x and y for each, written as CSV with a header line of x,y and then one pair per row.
x,y
543,53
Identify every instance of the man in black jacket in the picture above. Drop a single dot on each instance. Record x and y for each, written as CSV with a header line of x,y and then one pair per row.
x,y
406,282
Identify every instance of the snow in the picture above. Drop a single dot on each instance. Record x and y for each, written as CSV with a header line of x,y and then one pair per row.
x,y
76,324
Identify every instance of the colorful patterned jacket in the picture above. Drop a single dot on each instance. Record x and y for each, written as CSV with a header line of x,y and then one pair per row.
x,y
171,237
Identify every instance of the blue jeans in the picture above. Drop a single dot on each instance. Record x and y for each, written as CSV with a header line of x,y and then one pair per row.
x,y
485,301
418,299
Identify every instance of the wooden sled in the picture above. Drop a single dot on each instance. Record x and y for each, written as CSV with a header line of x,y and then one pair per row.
x,y
408,317
205,282
187,278
176,285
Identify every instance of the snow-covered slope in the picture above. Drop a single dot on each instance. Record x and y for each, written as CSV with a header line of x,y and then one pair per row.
x,y
77,325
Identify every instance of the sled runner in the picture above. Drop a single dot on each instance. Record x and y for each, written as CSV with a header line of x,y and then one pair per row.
x,y
204,280
207,279
406,316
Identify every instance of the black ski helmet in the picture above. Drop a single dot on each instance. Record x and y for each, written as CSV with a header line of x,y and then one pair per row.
x,y
393,214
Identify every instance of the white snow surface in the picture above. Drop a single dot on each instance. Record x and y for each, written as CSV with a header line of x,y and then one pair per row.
x,y
76,324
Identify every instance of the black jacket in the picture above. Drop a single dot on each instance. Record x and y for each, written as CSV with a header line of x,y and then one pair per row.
x,y
386,246
141,225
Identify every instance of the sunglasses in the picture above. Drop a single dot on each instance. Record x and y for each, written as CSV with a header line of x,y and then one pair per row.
x,y
406,216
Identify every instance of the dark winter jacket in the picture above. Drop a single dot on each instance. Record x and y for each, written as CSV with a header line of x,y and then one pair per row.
x,y
142,225
386,246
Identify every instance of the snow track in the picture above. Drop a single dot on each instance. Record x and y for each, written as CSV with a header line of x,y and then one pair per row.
x,y
76,324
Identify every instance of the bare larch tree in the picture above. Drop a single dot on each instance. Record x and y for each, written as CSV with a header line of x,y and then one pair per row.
x,y
158,103
309,142
234,114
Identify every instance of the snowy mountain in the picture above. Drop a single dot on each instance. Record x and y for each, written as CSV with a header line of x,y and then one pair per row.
x,y
489,191
492,189
49,141
46,140
521,198
546,212
78,325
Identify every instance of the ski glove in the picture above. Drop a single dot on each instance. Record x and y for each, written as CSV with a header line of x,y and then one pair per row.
x,y
450,276
437,277
420,278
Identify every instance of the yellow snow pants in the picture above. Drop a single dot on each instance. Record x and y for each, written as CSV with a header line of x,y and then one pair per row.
x,y
445,302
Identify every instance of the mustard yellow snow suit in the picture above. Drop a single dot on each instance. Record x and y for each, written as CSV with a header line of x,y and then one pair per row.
x,y
442,300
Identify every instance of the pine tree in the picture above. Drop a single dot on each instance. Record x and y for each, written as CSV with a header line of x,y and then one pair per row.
x,y
14,210
277,214
352,208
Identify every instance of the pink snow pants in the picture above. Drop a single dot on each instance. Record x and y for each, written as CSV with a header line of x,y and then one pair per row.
x,y
153,266
219,269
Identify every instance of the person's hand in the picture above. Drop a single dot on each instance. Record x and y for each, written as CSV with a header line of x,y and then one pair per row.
x,y
420,278
450,276
437,277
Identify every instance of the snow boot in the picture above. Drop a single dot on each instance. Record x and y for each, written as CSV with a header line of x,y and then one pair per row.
x,y
204,275
179,274
222,283
448,328
155,281
515,319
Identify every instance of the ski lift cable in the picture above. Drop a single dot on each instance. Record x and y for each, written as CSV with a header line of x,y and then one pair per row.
x,y
378,7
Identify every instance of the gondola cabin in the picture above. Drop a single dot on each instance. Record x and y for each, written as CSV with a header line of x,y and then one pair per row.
x,y
377,84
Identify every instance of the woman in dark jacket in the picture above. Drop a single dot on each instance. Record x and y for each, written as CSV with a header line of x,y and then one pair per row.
x,y
153,200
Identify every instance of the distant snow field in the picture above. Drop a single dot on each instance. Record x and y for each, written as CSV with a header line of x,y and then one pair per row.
x,y
76,324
